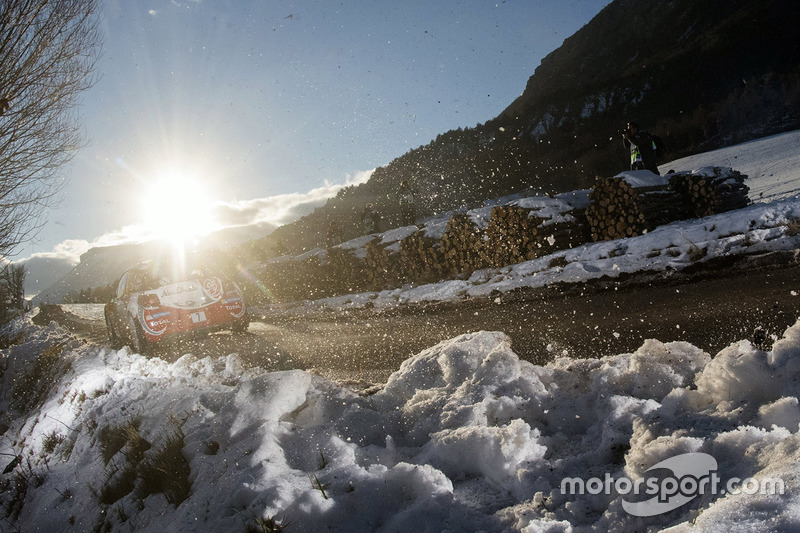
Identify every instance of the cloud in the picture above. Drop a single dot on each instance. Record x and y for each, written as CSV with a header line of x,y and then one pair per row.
x,y
237,221
46,268
281,209
68,251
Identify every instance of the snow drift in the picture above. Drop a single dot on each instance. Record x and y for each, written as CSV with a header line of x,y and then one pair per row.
x,y
463,437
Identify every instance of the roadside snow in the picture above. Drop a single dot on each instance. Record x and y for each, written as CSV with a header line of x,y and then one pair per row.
x,y
464,437
761,227
86,311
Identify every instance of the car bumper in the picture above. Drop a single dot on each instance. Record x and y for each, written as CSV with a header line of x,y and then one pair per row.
x,y
161,324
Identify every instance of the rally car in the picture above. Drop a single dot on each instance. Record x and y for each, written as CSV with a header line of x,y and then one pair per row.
x,y
157,301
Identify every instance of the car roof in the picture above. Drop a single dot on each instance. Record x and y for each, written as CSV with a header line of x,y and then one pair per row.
x,y
193,258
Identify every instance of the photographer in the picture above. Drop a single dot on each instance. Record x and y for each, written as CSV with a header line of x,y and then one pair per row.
x,y
642,147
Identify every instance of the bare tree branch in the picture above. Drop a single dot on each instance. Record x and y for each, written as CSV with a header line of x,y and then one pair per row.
x,y
48,49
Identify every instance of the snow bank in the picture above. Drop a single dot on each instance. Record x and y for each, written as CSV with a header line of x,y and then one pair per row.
x,y
643,178
463,437
759,228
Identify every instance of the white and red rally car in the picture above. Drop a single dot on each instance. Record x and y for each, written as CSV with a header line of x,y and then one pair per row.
x,y
161,300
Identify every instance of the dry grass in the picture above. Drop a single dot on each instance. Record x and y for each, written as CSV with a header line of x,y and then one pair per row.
x,y
793,227
114,438
166,471
264,525
121,480
145,469
696,253
51,440
30,391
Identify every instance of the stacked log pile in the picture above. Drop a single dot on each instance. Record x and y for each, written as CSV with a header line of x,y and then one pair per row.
x,y
293,279
512,235
420,258
621,207
533,228
569,233
380,266
344,272
316,274
711,191
462,246
567,226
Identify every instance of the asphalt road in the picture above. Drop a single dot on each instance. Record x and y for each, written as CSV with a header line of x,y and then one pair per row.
x,y
711,307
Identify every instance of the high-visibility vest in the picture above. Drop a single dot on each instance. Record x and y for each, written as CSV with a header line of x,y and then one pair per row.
x,y
636,155
406,198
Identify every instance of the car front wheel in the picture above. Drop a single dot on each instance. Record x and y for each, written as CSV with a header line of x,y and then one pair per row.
x,y
114,339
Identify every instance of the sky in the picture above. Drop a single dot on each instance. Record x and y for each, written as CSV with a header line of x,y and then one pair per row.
x,y
463,436
262,110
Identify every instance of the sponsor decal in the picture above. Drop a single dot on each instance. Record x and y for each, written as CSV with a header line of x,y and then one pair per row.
x,y
213,288
156,316
153,327
237,308
177,288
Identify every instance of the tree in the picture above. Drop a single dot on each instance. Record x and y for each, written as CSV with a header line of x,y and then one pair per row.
x,y
13,280
12,291
48,49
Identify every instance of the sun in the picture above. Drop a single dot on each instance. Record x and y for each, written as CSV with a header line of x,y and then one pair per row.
x,y
177,207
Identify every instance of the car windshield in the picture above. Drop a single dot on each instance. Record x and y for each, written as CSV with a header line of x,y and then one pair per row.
x,y
167,272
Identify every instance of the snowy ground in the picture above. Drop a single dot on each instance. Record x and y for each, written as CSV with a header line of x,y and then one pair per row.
x,y
86,311
463,437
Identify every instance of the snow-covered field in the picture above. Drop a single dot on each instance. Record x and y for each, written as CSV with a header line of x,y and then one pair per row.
x,y
463,437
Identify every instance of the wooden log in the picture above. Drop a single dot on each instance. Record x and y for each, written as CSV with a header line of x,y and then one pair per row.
x,y
463,245
420,259
533,227
626,208
381,266
711,190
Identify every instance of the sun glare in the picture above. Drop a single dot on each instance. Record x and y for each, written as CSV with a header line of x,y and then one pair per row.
x,y
177,208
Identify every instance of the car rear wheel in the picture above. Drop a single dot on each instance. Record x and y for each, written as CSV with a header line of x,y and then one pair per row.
x,y
138,341
241,326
